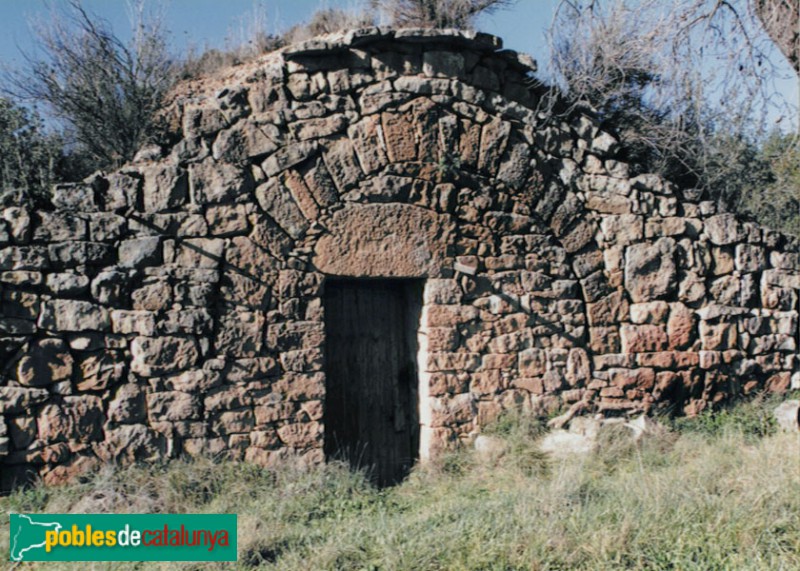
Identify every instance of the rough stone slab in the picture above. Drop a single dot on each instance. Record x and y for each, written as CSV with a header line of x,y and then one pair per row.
x,y
133,443
269,236
681,326
288,156
293,181
246,140
58,227
162,355
15,326
101,370
367,139
399,132
320,184
72,254
787,414
340,161
447,64
228,220
111,288
215,182
650,271
622,229
165,188
128,404
240,334
724,229
580,236
610,309
127,321
643,338
532,362
422,85
16,400
494,137
318,127
105,227
515,165
276,201
200,252
153,295
76,197
172,406
389,240
78,418
24,258
449,36
73,315
47,362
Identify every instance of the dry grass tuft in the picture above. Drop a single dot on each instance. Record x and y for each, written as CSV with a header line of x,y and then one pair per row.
x,y
694,498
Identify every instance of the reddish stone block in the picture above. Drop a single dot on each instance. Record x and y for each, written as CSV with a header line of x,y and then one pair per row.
x,y
643,338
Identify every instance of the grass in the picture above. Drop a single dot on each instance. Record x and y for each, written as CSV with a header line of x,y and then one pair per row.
x,y
752,419
710,494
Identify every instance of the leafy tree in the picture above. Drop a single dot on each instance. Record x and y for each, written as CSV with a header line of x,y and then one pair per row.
x,y
32,157
774,197
106,90
29,158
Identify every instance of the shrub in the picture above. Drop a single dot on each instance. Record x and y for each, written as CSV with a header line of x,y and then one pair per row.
x,y
752,419
436,13
106,91
686,86
31,158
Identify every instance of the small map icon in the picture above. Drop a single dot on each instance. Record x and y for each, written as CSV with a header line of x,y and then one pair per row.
x,y
28,535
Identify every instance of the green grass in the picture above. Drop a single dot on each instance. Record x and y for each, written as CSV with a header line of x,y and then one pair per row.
x,y
710,494
753,418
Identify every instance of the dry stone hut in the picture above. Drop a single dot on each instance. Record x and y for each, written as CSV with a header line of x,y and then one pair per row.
x,y
371,244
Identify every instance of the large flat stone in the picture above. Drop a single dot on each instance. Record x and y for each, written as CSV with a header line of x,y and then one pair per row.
x,y
165,188
162,355
74,315
650,271
47,362
388,240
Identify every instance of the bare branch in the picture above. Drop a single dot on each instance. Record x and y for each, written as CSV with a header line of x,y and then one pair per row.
x,y
107,91
674,79
436,13
781,20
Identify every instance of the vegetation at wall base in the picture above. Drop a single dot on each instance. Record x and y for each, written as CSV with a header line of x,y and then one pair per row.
x,y
711,494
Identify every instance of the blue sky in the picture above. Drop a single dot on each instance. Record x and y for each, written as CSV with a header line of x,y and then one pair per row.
x,y
217,23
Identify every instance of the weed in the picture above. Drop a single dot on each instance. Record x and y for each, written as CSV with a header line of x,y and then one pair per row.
x,y
718,493
753,419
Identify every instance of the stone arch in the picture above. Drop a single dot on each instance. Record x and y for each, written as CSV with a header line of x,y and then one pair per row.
x,y
377,201
175,306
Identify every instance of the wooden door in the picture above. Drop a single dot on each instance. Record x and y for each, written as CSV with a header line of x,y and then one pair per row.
x,y
371,411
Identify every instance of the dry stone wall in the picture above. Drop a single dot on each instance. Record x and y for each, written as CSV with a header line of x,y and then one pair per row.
x,y
174,306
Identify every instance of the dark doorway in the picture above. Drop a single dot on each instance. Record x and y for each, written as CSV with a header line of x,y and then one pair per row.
x,y
371,409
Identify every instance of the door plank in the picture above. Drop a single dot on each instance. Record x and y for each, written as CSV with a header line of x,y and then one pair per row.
x,y
371,416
